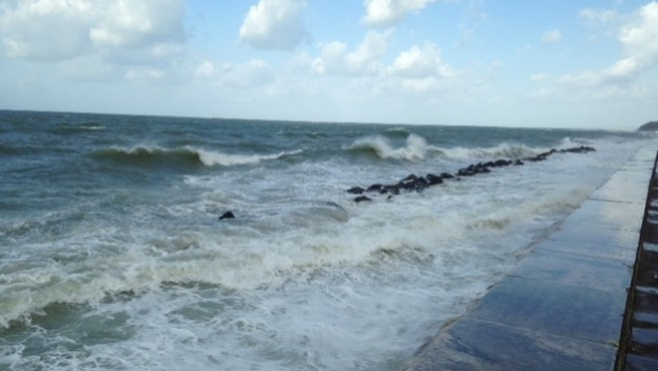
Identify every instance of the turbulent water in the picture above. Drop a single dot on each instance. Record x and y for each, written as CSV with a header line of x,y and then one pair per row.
x,y
112,255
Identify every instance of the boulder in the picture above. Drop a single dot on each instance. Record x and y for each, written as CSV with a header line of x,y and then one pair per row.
x,y
375,188
227,215
356,190
433,179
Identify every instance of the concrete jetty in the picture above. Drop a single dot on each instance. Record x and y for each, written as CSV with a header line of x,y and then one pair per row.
x,y
566,303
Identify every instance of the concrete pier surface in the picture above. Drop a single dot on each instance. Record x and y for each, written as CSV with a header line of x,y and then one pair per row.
x,y
564,305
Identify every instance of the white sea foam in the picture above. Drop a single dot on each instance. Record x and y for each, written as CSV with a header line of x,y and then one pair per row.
x,y
234,258
415,148
294,282
213,158
502,150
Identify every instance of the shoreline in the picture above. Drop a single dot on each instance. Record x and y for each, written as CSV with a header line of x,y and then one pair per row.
x,y
562,307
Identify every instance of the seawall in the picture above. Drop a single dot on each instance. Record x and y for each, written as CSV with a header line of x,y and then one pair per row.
x,y
564,305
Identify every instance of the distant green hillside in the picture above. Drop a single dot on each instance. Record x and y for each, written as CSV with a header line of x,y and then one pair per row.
x,y
649,126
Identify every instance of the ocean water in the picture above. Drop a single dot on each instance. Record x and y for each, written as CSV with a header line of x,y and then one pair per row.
x,y
113,257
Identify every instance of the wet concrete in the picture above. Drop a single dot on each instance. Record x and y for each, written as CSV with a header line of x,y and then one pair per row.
x,y
563,307
638,348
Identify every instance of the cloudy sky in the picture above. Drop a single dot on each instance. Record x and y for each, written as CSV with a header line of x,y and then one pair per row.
x,y
540,63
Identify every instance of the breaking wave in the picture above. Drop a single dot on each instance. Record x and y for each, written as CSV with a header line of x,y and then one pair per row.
x,y
147,154
503,150
415,148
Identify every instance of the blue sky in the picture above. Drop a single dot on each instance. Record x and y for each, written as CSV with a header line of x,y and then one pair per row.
x,y
585,64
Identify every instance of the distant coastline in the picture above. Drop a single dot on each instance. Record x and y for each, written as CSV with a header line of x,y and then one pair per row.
x,y
649,126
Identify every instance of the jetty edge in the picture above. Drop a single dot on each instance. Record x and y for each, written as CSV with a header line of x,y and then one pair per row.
x,y
571,303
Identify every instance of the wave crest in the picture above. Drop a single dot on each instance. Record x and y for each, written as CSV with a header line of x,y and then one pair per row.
x,y
503,150
187,155
415,148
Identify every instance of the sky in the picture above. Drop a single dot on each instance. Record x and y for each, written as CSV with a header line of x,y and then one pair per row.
x,y
540,63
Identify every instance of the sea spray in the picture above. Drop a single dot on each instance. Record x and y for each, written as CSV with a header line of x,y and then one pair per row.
x,y
112,255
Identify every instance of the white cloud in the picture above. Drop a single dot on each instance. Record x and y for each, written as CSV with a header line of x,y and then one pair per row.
x,y
89,68
364,60
135,24
538,77
598,15
582,79
420,63
551,36
274,24
390,12
252,74
66,29
542,93
205,69
144,74
45,30
639,43
418,69
419,85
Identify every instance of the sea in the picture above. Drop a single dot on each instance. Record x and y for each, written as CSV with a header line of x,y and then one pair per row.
x,y
113,255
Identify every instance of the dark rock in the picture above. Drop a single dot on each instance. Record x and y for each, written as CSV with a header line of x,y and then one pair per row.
x,y
415,183
501,163
581,149
356,190
227,215
539,157
375,188
421,181
420,184
410,186
433,179
410,178
393,189
465,172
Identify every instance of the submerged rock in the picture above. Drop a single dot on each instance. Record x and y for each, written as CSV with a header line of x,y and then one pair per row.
x,y
227,215
375,188
581,149
356,190
433,179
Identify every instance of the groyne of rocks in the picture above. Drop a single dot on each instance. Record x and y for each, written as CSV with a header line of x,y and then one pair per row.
x,y
417,183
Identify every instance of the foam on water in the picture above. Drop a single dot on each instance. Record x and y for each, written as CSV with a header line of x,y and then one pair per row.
x,y
303,279
415,148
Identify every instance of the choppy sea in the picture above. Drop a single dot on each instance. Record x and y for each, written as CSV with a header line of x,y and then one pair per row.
x,y
113,256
